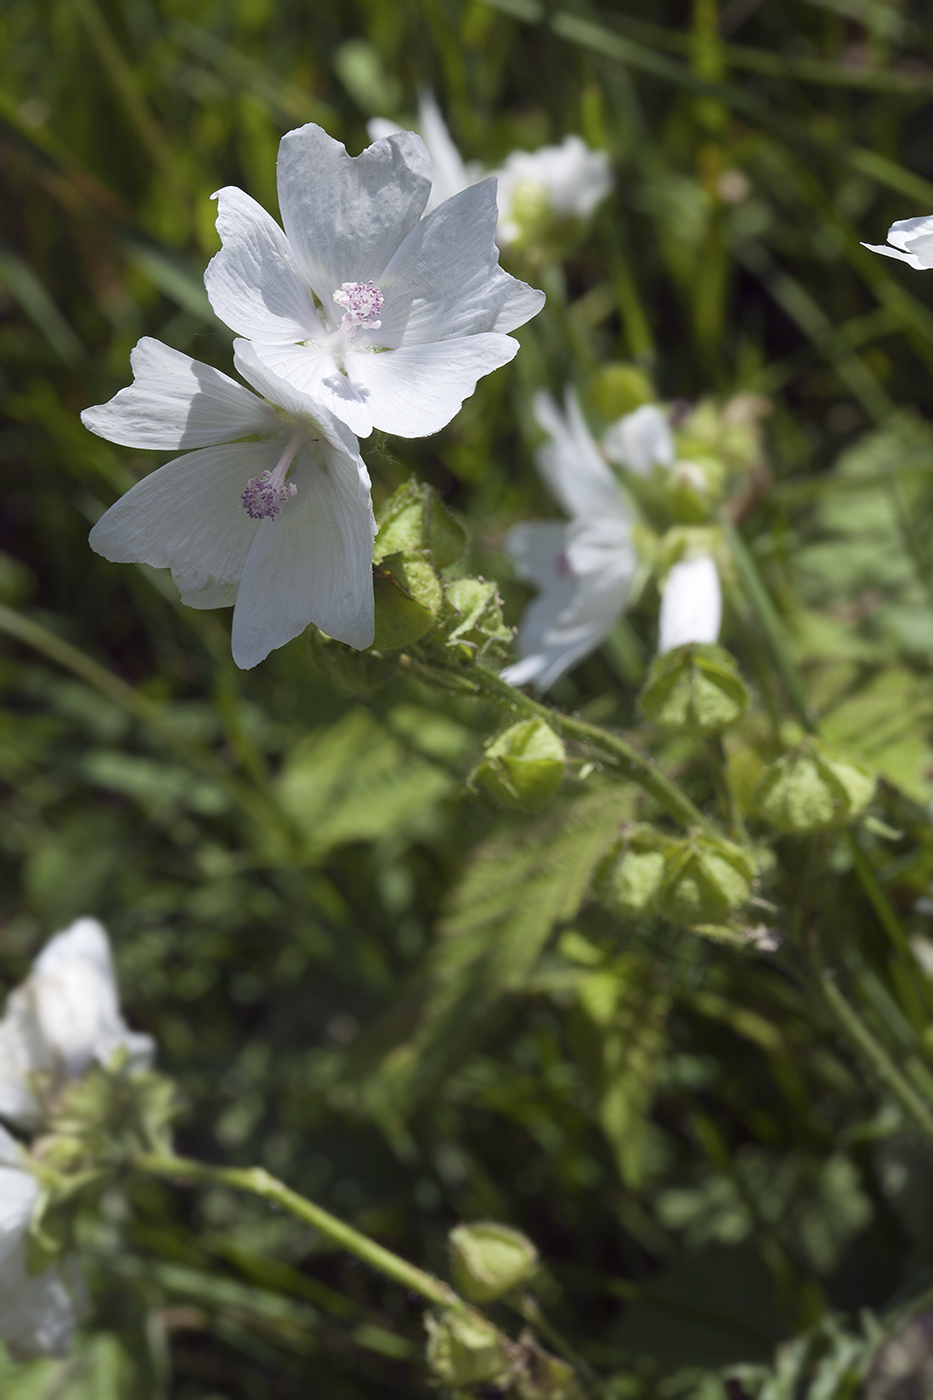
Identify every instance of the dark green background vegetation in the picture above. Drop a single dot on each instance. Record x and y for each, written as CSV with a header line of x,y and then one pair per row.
x,y
394,999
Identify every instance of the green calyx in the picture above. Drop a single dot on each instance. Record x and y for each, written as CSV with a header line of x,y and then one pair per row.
x,y
465,1349
473,620
417,536
695,689
488,1260
694,880
813,789
523,767
412,520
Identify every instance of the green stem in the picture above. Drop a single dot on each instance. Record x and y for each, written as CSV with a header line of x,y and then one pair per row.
x,y
481,681
529,1308
887,1071
258,1182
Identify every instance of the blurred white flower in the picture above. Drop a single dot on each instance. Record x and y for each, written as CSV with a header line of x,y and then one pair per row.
x,y
639,440
569,180
912,241
65,1017
281,527
584,568
38,1312
385,317
691,604
450,172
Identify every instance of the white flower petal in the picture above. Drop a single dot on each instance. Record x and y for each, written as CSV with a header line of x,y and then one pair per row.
x,y
74,990
445,280
640,439
253,283
313,563
300,404
346,215
910,258
188,516
19,1192
586,574
175,401
38,1313
417,389
914,236
691,604
571,465
447,167
312,371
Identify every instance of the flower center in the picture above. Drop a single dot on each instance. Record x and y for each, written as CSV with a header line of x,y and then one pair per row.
x,y
266,494
361,302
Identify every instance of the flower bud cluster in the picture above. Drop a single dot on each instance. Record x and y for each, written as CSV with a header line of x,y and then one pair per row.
x,y
697,881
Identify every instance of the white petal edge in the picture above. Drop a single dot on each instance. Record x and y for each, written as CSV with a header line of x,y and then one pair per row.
x,y
254,283
418,389
174,402
691,604
910,258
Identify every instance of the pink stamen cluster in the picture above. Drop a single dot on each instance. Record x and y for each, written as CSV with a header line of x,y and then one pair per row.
x,y
264,498
362,302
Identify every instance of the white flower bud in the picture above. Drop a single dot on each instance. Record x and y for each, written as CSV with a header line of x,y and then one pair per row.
x,y
691,604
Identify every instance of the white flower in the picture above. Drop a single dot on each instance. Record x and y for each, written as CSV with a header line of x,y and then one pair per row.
x,y
450,172
584,568
639,440
569,179
912,240
38,1312
64,1017
282,527
691,604
386,318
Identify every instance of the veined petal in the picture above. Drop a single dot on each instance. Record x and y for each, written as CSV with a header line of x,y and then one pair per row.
x,y
313,374
346,215
253,283
570,463
301,406
445,280
175,401
691,604
312,564
188,516
417,389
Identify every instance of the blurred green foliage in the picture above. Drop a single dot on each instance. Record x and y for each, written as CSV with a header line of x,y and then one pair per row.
x,y
363,976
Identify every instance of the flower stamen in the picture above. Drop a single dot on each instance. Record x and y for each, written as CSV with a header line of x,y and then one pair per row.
x,y
266,494
362,302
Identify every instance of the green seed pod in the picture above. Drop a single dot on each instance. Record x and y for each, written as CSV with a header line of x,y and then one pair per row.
x,y
629,877
474,617
408,597
812,789
694,689
413,519
488,1260
523,767
465,1349
705,880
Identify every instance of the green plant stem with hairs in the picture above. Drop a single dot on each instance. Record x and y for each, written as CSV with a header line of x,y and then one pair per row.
x,y
480,681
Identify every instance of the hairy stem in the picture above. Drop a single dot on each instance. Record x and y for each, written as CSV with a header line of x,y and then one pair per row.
x,y
484,683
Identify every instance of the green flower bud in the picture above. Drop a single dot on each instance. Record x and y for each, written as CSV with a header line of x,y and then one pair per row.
x,y
474,610
523,767
694,689
705,880
412,520
465,1349
812,789
489,1260
408,596
620,389
629,877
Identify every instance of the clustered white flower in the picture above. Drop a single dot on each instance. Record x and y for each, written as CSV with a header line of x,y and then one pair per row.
x,y
62,1020
568,180
362,314
587,567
